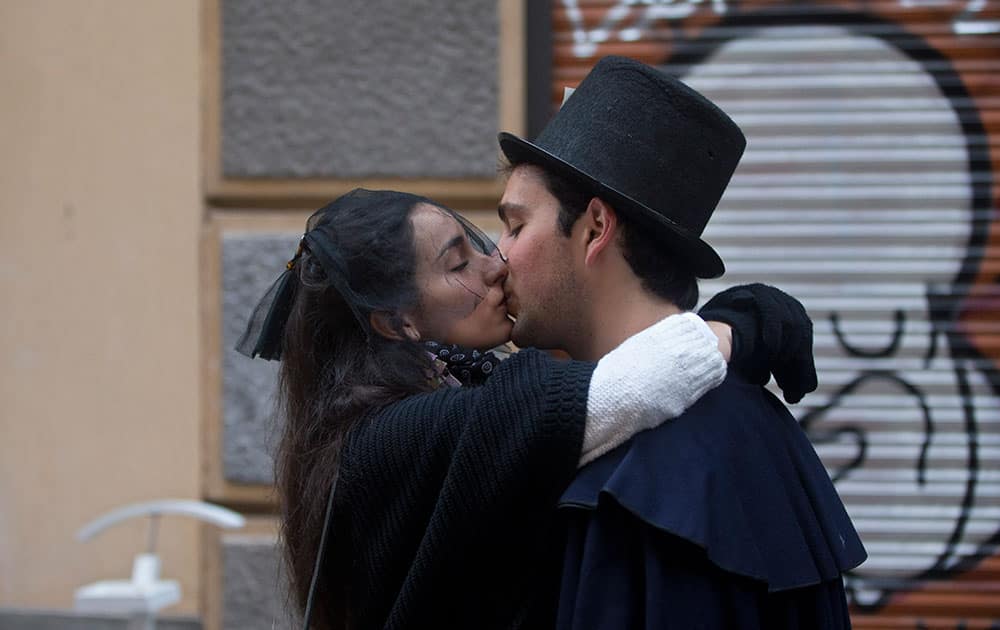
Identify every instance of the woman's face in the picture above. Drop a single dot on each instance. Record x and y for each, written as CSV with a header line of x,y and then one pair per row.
x,y
461,289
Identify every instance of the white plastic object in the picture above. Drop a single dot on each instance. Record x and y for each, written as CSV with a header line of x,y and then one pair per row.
x,y
144,594
141,597
203,511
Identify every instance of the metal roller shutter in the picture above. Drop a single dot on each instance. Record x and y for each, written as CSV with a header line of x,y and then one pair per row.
x,y
867,191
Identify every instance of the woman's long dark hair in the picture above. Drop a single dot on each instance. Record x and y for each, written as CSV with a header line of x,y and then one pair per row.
x,y
335,371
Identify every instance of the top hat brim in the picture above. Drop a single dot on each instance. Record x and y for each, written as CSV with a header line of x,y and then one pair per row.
x,y
689,250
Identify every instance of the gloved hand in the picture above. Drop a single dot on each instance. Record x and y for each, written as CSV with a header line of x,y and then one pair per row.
x,y
772,334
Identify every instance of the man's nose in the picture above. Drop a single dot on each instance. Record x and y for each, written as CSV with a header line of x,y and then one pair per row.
x,y
496,269
500,248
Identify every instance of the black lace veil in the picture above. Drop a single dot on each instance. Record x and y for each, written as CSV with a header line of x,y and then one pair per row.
x,y
344,244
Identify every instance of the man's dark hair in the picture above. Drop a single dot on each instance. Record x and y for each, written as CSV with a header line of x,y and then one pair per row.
x,y
649,259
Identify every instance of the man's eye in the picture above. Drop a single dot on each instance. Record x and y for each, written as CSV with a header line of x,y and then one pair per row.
x,y
461,266
515,231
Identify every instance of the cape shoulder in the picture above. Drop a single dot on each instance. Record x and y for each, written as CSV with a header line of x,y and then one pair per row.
x,y
737,476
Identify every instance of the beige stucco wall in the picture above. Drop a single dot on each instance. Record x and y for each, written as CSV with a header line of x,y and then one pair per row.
x,y
99,219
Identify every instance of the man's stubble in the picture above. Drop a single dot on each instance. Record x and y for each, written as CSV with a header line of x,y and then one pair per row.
x,y
556,316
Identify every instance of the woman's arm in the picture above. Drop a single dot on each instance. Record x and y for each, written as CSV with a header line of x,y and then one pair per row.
x,y
536,411
449,487
659,372
651,377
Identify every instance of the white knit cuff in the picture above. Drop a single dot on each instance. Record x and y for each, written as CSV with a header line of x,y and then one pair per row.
x,y
651,377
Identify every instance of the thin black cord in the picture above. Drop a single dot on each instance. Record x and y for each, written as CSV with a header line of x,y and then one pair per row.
x,y
319,559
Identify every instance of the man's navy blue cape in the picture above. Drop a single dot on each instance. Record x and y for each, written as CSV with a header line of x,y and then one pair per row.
x,y
722,518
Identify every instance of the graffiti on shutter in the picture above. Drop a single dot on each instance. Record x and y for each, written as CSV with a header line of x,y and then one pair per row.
x,y
867,190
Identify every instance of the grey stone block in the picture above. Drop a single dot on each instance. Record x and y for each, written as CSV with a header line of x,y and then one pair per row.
x,y
254,586
251,428
359,88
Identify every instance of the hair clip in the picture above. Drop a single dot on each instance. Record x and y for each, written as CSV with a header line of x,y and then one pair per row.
x,y
298,254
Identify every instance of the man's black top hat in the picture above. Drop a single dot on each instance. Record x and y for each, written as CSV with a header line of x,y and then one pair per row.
x,y
659,152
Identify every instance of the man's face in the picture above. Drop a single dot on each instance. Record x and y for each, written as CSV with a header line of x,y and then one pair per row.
x,y
543,291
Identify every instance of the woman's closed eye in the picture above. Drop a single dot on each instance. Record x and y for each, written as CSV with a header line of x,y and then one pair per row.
x,y
461,266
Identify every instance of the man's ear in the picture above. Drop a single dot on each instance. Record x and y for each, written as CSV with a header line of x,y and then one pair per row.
x,y
600,223
392,326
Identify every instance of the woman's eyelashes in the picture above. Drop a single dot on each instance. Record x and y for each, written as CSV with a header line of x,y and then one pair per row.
x,y
460,266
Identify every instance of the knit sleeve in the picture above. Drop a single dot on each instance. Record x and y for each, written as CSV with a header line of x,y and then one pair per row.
x,y
651,377
434,481
532,402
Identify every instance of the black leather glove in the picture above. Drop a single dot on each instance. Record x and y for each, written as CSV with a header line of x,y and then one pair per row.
x,y
772,334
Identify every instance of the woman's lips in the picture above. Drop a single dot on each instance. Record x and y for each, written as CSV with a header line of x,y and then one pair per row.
x,y
511,305
495,299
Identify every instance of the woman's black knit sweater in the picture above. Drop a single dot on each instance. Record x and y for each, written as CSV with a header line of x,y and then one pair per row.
x,y
445,499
